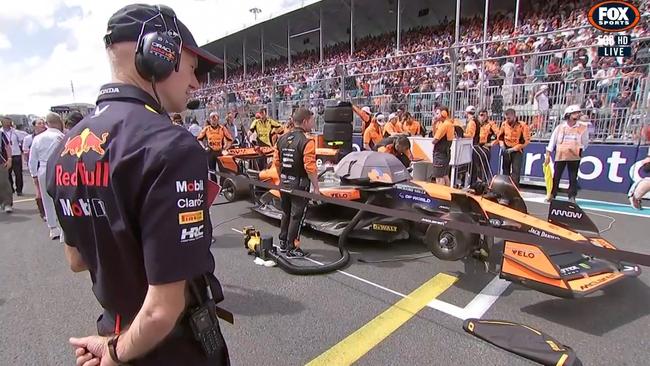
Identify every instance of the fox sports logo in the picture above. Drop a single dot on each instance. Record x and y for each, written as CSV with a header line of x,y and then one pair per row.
x,y
614,16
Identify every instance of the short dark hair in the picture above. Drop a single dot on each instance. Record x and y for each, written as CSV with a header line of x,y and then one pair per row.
x,y
73,118
510,111
300,115
402,140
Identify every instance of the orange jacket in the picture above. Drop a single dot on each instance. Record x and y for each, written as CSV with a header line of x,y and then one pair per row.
x,y
516,136
216,136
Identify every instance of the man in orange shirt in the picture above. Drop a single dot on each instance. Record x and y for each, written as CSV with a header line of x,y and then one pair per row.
x,y
295,161
399,146
482,132
372,135
218,137
393,126
442,138
410,125
514,136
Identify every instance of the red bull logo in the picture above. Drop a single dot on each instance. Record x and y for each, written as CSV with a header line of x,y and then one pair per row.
x,y
85,142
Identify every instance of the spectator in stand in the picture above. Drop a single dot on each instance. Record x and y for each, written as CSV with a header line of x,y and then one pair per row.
x,y
541,107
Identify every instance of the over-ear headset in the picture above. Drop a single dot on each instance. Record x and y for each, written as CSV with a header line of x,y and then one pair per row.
x,y
158,53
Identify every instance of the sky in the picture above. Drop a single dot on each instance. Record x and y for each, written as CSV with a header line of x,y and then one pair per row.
x,y
49,46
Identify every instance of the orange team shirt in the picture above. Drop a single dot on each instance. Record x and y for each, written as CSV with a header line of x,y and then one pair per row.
x,y
513,135
484,131
308,157
445,129
372,136
215,136
365,117
412,127
392,129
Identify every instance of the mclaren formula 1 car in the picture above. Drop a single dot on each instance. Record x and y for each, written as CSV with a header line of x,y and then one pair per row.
x,y
382,180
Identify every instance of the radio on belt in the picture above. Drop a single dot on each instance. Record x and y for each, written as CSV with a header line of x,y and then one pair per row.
x,y
204,322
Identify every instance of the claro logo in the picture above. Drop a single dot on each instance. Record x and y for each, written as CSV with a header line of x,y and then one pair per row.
x,y
614,16
565,213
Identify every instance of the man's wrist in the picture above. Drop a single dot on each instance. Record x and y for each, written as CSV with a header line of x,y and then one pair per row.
x,y
113,350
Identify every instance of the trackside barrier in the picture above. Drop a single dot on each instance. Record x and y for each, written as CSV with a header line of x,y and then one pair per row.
x,y
557,244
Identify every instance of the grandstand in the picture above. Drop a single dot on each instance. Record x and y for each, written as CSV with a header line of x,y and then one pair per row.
x,y
361,51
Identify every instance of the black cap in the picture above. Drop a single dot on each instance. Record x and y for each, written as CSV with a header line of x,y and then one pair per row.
x,y
126,24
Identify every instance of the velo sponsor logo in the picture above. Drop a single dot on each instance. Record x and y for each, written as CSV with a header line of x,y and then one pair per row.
x,y
83,207
190,203
192,217
191,234
83,177
184,186
614,16
567,214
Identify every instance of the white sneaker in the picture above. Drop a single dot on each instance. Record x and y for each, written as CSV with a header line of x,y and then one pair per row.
x,y
259,261
54,233
8,209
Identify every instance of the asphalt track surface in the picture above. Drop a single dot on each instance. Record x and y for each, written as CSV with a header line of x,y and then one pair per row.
x,y
290,320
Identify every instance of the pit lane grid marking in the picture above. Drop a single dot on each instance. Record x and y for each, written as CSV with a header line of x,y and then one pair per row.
x,y
481,303
357,344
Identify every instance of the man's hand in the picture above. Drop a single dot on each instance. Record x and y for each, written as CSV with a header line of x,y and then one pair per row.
x,y
547,159
511,150
92,351
7,164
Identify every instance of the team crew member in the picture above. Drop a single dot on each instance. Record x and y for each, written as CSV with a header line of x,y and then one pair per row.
x,y
282,130
399,146
641,187
483,133
263,127
133,210
393,127
218,137
444,135
295,160
15,141
514,136
372,135
411,126
569,140
6,196
365,115
42,148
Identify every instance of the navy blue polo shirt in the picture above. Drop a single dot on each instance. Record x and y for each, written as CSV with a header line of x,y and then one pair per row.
x,y
129,188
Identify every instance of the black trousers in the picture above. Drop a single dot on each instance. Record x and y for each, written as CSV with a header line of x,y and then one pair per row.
x,y
294,209
512,165
573,166
212,162
481,165
17,169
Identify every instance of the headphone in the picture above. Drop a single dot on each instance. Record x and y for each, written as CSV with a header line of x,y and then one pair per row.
x,y
158,54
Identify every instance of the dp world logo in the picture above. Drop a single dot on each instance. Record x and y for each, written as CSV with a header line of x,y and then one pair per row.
x,y
614,16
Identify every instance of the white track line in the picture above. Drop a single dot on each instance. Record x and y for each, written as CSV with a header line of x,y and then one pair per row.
x,y
474,309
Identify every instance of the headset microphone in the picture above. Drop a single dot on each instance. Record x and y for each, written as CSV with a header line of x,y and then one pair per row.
x,y
193,104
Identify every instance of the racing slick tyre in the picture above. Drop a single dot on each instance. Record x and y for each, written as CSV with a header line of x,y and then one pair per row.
x,y
449,245
234,188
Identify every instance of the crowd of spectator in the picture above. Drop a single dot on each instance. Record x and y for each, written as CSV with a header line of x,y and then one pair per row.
x,y
553,48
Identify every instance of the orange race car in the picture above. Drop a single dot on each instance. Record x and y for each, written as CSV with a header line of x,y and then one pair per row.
x,y
381,179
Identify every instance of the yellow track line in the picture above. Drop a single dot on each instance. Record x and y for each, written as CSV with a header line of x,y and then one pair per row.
x,y
357,344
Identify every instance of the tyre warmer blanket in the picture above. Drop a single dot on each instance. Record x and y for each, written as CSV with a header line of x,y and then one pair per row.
x,y
523,341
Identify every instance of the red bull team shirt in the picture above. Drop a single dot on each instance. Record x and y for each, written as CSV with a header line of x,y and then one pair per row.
x,y
130,202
